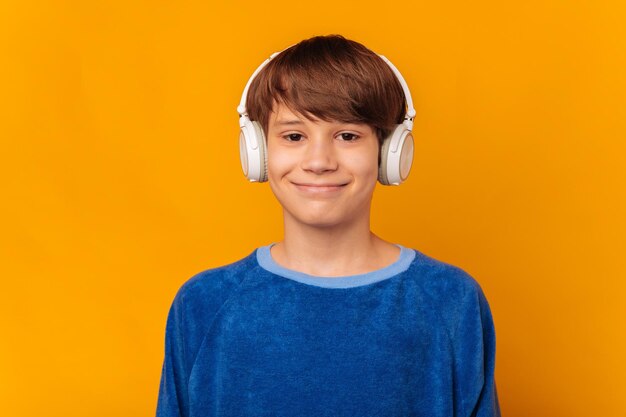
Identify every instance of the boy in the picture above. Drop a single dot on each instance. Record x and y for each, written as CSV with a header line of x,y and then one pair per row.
x,y
333,320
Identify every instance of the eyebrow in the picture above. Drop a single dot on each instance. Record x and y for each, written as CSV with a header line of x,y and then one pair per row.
x,y
289,122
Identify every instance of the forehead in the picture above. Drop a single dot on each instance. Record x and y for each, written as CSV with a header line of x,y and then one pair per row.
x,y
283,116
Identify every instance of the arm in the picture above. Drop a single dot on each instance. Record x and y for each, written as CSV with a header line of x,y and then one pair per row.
x,y
475,357
173,400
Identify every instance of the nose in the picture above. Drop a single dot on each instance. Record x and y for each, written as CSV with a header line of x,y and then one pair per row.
x,y
319,156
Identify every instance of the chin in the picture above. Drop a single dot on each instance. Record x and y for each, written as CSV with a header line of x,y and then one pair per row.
x,y
317,219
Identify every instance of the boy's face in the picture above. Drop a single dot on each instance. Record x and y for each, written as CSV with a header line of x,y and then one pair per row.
x,y
322,173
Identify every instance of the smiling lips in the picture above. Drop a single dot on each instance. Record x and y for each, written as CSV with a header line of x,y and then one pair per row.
x,y
318,188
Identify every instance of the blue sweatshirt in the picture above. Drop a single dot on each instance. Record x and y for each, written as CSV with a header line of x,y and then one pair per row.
x,y
252,338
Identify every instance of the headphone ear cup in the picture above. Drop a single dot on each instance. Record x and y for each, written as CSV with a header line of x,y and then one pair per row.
x,y
384,160
262,151
252,150
396,156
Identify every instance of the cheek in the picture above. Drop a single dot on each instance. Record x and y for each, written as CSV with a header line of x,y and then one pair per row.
x,y
278,161
363,165
280,165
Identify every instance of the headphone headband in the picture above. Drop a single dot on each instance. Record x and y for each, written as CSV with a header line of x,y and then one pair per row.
x,y
410,111
241,109
408,117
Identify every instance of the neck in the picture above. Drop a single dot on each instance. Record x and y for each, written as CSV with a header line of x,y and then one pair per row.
x,y
339,250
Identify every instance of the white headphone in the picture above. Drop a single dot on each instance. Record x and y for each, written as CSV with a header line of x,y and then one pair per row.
x,y
396,153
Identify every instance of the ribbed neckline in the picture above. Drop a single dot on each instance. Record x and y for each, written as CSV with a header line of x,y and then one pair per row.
x,y
265,260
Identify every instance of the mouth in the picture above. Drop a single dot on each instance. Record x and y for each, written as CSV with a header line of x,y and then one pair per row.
x,y
319,188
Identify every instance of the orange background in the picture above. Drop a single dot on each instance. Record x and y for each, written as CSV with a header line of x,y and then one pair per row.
x,y
121,179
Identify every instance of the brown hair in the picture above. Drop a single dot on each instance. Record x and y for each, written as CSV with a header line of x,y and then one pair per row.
x,y
331,78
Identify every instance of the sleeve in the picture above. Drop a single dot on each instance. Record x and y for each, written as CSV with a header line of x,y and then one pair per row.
x,y
173,400
475,357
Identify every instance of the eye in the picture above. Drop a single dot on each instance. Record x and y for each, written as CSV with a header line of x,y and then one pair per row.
x,y
293,137
348,136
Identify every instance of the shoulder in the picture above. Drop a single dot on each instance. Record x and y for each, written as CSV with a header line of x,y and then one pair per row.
x,y
444,283
441,277
196,304
454,296
211,287
200,298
